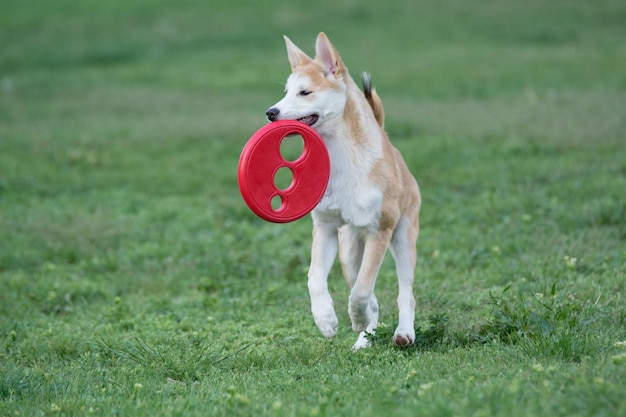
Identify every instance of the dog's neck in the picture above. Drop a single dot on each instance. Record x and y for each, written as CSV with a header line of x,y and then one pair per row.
x,y
356,125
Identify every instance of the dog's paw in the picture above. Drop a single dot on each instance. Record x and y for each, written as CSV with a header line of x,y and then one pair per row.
x,y
362,342
359,325
404,337
327,322
360,314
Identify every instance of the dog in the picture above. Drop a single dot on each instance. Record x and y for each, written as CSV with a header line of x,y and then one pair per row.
x,y
372,201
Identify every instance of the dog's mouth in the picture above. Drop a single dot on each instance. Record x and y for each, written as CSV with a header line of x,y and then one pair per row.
x,y
309,120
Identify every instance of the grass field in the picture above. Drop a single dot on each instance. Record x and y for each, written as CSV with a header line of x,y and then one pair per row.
x,y
134,281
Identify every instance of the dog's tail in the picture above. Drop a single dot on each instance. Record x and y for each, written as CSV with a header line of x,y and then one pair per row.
x,y
372,98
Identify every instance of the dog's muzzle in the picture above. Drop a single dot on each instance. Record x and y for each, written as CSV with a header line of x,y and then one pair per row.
x,y
272,114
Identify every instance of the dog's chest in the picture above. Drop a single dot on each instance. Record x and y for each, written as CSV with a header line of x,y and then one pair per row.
x,y
350,196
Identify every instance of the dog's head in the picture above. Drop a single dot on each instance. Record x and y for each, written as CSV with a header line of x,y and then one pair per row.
x,y
316,90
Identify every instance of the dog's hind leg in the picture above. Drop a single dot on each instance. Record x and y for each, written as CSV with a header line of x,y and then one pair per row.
x,y
323,253
351,246
404,253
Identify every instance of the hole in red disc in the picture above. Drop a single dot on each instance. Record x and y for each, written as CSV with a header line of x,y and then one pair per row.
x,y
291,147
283,178
276,202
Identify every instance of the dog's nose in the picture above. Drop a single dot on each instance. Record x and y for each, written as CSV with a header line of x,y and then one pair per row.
x,y
272,114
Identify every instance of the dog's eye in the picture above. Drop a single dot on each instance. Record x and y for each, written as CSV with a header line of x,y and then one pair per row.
x,y
304,92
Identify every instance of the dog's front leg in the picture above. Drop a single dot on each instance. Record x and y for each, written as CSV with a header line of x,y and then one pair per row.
x,y
360,306
323,252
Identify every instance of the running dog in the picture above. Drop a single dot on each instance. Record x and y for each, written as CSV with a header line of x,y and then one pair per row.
x,y
372,201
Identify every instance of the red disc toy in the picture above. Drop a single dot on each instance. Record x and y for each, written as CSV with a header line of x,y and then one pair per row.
x,y
261,159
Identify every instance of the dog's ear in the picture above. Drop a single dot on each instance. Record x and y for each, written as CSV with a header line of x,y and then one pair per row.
x,y
295,54
327,55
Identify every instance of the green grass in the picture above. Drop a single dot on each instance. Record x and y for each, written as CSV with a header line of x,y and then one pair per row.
x,y
135,281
